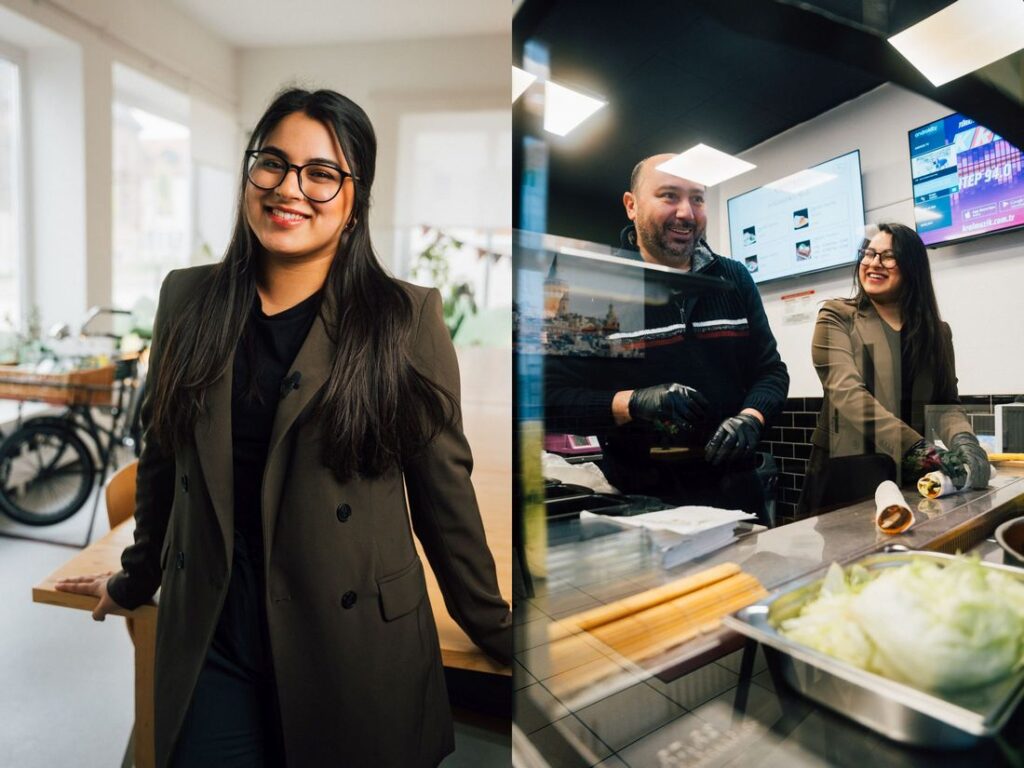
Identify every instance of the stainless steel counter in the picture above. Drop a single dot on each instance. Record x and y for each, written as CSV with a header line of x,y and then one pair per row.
x,y
712,702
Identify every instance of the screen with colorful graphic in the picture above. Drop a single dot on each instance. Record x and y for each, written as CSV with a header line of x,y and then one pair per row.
x,y
808,221
968,181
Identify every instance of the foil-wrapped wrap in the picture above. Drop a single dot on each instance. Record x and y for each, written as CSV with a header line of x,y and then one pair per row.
x,y
892,513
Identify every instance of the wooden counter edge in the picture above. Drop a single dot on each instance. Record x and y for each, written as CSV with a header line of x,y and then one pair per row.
x,y
45,593
470,661
473,661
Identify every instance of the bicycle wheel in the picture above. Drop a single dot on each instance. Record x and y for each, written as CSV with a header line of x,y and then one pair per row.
x,y
46,473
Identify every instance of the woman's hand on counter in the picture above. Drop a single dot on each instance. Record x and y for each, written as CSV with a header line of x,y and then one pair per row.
x,y
94,585
966,447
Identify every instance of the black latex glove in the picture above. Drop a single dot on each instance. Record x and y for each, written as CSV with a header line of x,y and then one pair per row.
x,y
966,447
924,457
736,438
674,404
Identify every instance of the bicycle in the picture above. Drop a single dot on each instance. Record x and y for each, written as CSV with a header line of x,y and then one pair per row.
x,y
50,464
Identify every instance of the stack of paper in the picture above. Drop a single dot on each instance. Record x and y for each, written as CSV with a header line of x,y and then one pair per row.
x,y
681,534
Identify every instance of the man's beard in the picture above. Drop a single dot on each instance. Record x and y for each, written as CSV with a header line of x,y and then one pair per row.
x,y
656,241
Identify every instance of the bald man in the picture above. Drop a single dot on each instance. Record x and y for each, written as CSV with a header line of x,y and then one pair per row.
x,y
710,376
669,214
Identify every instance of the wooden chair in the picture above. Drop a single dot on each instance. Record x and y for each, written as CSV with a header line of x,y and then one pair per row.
x,y
120,496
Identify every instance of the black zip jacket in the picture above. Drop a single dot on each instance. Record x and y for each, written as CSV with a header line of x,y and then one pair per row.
x,y
719,343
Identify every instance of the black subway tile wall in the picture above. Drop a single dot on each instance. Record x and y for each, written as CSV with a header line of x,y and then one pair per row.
x,y
789,442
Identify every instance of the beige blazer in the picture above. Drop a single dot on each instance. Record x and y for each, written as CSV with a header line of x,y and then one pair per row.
x,y
355,648
861,396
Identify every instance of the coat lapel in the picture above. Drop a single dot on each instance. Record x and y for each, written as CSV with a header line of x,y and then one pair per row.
x,y
313,365
213,444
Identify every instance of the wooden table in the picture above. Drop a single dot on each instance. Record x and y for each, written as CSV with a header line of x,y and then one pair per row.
x,y
487,397
99,557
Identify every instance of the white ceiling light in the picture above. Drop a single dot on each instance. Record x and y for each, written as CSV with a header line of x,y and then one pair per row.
x,y
801,181
564,108
521,80
963,37
705,165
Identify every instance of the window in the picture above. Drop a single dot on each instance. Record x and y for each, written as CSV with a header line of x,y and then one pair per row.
x,y
152,204
453,207
10,214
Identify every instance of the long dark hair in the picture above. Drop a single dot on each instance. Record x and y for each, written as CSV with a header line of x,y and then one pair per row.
x,y
922,324
376,409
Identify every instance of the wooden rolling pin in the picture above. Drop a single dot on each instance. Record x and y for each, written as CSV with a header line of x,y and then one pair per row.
x,y
1006,457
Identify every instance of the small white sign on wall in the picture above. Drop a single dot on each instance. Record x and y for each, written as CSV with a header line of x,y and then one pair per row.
x,y
798,307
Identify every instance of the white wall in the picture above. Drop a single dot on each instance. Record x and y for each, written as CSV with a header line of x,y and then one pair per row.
x,y
388,80
149,35
227,90
217,144
979,284
71,47
56,245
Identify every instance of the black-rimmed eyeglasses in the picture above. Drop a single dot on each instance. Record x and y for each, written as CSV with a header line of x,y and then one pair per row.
x,y
888,258
320,182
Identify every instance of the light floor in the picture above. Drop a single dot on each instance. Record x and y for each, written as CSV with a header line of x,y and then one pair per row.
x,y
66,682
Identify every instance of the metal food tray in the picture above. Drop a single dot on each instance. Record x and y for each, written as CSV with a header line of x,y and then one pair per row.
x,y
897,710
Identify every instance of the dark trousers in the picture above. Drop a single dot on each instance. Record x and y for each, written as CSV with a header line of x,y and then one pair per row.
x,y
232,722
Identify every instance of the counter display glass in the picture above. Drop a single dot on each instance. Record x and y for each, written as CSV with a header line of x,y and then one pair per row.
x,y
712,699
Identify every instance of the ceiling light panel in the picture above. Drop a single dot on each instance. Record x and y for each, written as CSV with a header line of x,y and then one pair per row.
x,y
963,37
705,165
521,80
564,108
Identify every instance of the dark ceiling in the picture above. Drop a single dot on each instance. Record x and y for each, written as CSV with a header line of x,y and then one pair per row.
x,y
728,73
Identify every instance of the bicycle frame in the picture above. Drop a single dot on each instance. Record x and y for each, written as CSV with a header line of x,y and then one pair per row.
x,y
78,420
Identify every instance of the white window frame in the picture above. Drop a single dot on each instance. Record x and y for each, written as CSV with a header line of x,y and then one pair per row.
x,y
179,116
22,263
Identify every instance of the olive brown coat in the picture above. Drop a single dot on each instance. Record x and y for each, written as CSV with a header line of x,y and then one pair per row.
x,y
861,392
353,638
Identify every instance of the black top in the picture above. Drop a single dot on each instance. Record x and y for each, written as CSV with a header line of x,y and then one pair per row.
x,y
903,379
263,360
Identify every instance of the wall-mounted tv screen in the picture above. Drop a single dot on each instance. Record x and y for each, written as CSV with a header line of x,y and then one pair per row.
x,y
808,221
968,181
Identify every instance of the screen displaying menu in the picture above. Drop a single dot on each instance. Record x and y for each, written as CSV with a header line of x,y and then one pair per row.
x,y
808,221
968,181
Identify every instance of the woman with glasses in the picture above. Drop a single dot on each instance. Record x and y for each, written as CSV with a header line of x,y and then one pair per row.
x,y
885,360
298,392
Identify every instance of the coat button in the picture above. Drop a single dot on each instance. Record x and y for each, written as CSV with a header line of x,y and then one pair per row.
x,y
348,600
179,561
344,513
184,483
